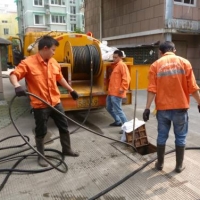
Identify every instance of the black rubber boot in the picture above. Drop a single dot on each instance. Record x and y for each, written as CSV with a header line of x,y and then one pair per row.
x,y
160,157
66,145
179,158
40,147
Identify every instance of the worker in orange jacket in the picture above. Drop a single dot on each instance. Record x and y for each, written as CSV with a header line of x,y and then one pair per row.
x,y
171,81
42,72
118,85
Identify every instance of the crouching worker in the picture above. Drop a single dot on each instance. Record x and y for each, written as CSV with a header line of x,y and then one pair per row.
x,y
171,81
42,72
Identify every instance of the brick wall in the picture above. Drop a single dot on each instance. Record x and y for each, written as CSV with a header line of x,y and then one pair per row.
x,y
92,17
124,17
187,12
192,50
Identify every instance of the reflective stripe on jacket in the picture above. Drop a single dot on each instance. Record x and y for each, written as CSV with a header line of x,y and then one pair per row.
x,y
172,79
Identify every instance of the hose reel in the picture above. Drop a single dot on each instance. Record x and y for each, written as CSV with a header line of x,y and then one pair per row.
x,y
80,58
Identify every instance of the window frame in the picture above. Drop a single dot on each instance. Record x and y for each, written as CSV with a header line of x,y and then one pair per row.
x,y
72,1
185,4
63,18
42,19
73,18
4,31
74,27
57,4
74,9
38,5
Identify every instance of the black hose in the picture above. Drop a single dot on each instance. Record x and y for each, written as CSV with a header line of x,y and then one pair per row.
x,y
133,173
22,157
82,59
54,166
9,157
88,129
91,86
15,146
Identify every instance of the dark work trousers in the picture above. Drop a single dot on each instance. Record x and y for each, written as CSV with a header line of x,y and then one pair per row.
x,y
42,115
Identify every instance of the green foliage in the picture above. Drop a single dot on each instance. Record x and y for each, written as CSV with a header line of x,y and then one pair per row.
x,y
78,30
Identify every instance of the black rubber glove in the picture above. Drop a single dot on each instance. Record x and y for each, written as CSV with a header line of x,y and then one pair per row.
x,y
19,91
199,107
74,95
146,114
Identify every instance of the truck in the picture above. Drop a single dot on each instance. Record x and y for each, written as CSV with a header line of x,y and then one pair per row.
x,y
82,66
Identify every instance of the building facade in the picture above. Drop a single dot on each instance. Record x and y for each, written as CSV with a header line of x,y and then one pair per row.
x,y
8,21
135,23
8,25
47,15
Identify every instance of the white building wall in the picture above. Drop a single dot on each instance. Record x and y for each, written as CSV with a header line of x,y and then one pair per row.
x,y
47,15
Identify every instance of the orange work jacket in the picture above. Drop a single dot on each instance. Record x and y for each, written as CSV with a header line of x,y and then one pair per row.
x,y
119,79
171,78
41,79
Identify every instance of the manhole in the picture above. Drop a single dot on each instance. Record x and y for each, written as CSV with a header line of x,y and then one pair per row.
x,y
147,149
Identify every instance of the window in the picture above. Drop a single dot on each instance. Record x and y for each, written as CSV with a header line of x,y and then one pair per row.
x,y
72,9
83,19
73,27
4,21
72,18
38,2
72,1
5,31
58,19
58,2
39,19
185,2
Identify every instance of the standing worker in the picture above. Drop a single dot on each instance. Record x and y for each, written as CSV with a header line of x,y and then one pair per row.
x,y
118,85
171,81
42,72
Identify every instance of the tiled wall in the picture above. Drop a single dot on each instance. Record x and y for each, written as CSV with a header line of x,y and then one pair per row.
x,y
131,16
192,52
187,12
124,17
135,41
92,17
121,17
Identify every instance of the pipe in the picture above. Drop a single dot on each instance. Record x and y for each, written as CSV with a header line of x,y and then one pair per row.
x,y
169,7
134,114
100,21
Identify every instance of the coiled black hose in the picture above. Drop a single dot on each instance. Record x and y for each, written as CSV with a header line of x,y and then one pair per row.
x,y
82,59
91,87
22,157
26,139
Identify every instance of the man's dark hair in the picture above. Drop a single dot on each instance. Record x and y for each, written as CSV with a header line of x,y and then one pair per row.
x,y
47,41
167,46
119,53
